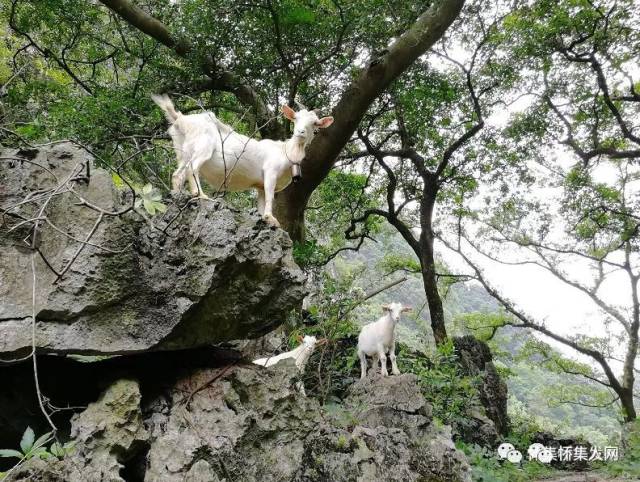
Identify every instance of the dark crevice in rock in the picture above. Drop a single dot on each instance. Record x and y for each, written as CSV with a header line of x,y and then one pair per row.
x,y
15,319
29,154
135,468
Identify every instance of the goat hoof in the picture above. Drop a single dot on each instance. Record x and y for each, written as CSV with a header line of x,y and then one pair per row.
x,y
271,220
396,372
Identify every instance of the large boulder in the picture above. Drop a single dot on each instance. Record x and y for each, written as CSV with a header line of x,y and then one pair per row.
x,y
201,421
201,273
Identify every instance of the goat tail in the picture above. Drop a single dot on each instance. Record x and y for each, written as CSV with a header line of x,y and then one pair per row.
x,y
164,102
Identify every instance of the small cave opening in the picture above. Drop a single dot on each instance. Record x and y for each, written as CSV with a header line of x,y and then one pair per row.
x,y
134,468
66,389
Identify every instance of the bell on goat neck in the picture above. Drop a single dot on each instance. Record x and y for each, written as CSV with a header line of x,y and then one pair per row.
x,y
296,172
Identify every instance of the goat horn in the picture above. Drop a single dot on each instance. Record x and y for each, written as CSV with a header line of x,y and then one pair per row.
x,y
300,105
317,111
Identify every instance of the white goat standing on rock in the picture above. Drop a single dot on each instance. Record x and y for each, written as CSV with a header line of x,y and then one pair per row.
x,y
378,338
207,147
300,354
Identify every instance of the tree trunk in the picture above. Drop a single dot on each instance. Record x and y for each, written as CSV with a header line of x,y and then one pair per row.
x,y
427,262
628,373
436,311
288,208
628,407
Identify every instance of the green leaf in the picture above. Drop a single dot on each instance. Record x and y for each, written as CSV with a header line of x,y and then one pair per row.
x,y
27,440
43,439
56,449
160,207
10,453
147,189
149,207
40,452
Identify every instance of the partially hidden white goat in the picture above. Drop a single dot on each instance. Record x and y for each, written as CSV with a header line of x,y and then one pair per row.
x,y
378,338
207,147
300,354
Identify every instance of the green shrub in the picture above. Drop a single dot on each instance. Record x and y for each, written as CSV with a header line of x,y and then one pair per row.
x,y
441,381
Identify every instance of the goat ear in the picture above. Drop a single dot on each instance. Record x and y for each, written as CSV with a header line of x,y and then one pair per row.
x,y
385,308
288,112
324,122
406,308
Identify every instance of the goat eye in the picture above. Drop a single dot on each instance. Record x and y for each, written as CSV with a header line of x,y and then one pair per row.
x,y
315,131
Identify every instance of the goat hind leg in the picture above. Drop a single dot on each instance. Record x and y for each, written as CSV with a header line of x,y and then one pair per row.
x,y
260,201
363,364
269,192
201,154
193,185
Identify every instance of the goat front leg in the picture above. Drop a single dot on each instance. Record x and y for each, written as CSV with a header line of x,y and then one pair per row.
x,y
383,361
195,175
363,364
193,185
200,151
270,179
392,357
177,178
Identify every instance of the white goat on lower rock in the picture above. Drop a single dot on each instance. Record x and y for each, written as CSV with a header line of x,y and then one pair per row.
x,y
378,338
300,354
207,147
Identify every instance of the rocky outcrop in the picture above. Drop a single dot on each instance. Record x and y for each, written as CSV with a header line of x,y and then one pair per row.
x,y
108,432
161,292
201,273
391,414
239,422
487,417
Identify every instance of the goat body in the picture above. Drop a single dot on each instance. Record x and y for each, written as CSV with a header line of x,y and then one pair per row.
x,y
300,354
207,147
378,338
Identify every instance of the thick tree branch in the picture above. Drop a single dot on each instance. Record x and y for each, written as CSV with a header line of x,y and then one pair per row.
x,y
356,99
220,79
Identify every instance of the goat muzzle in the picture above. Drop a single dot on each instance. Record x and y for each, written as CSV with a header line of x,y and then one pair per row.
x,y
296,172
